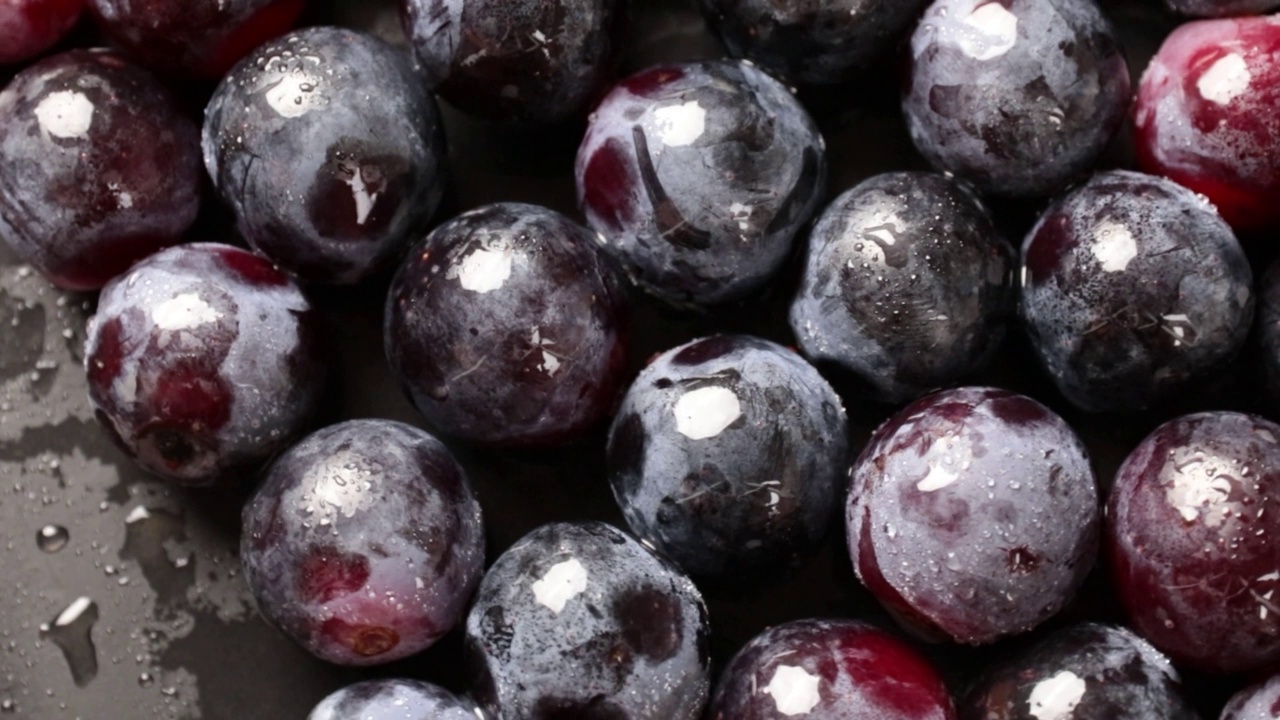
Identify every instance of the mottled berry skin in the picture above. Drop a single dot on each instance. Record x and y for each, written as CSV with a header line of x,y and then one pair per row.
x,y
973,515
203,361
98,167
907,285
1133,288
1221,8
829,670
1205,116
1268,353
1193,522
1086,672
1019,97
329,150
529,62
728,454
505,327
578,620
29,27
699,176
201,38
1259,702
816,42
364,543
394,700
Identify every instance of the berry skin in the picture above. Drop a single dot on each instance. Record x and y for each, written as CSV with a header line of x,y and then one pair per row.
x,y
329,150
1133,288
203,361
1258,702
364,542
29,27
699,177
973,515
829,670
1205,116
578,620
1018,97
907,285
727,455
1267,355
1222,8
505,326
1192,528
98,167
394,700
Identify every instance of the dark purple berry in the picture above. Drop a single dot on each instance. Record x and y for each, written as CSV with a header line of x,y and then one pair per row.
x,y
29,27
1019,97
98,167
728,454
364,542
698,178
973,515
394,700
580,621
907,285
329,150
1268,354
1258,702
505,326
203,362
1221,8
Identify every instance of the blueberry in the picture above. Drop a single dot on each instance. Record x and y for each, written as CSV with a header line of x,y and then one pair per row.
x,y
1086,672
1019,97
394,699
907,285
1220,8
505,326
98,167
728,454
1133,288
1257,702
973,515
203,361
329,151
699,176
29,27
364,542
1268,353
578,620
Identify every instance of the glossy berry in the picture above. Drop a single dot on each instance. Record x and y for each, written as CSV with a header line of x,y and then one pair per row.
x,y
973,515
907,285
329,151
1133,288
829,670
203,362
578,620
364,542
98,167
1086,672
517,61
699,176
394,699
505,327
1205,116
728,454
203,38
1258,702
1193,526
1019,97
29,27
1222,8
812,42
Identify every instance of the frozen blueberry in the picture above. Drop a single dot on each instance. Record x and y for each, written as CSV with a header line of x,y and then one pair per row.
x,y
728,454
973,515
364,542
698,178
203,361
1194,536
907,285
1221,8
1086,672
1258,702
1133,288
505,326
1268,355
98,167
329,150
394,700
829,670
578,620
1019,97
29,27
517,61
812,42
